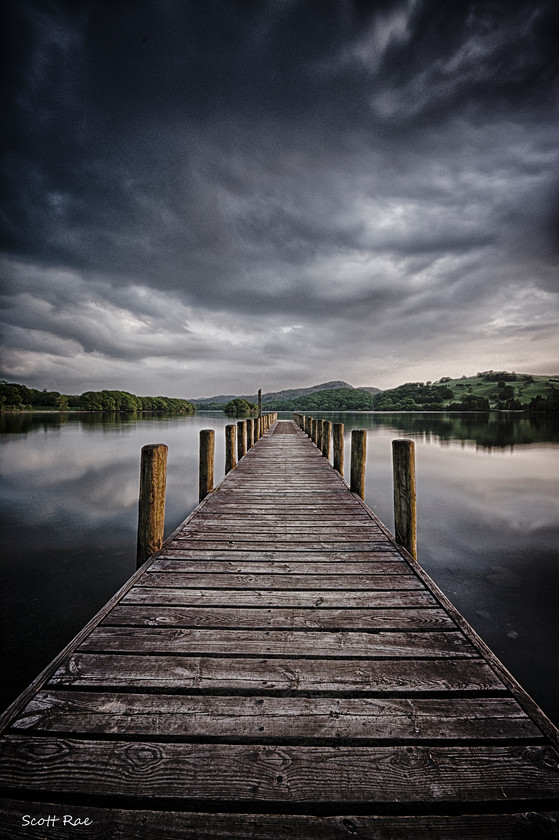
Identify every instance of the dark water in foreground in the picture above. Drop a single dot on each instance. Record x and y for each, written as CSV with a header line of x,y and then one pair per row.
x,y
488,510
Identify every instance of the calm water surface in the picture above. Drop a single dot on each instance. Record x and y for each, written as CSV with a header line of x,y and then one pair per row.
x,y
488,511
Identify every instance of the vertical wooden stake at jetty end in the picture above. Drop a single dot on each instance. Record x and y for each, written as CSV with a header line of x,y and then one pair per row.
x,y
241,439
250,433
280,667
358,460
207,453
151,504
338,435
230,446
405,517
326,438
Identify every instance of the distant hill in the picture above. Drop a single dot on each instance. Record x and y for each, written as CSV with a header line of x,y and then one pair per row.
x,y
271,397
336,399
487,390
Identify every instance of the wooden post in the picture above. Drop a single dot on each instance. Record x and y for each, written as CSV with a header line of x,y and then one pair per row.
x,y
326,437
151,503
405,516
206,466
339,447
314,430
230,441
308,427
319,428
241,439
250,433
256,429
260,402
358,458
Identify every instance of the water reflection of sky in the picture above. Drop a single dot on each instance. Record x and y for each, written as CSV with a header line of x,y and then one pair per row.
x,y
488,508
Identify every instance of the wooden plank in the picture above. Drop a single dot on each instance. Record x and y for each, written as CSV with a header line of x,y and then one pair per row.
x,y
267,617
255,532
283,719
313,489
285,507
272,581
383,553
273,545
143,824
164,563
288,643
187,673
227,513
288,774
277,598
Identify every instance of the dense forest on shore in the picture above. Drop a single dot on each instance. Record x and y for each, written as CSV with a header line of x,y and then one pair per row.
x,y
14,397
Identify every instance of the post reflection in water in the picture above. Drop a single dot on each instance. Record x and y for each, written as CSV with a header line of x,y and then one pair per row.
x,y
488,523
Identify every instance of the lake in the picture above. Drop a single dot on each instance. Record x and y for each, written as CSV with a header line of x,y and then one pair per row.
x,y
488,522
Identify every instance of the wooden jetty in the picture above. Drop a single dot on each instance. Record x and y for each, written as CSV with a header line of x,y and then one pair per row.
x,y
279,669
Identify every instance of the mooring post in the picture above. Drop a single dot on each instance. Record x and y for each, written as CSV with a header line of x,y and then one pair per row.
x,y
319,430
206,466
338,435
358,458
151,502
314,430
326,437
250,433
260,402
230,446
405,515
241,439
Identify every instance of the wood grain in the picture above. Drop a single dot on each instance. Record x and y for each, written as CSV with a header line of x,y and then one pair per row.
x,y
289,774
262,676
282,719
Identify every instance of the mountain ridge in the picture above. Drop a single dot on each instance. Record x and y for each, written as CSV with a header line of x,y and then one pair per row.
x,y
285,394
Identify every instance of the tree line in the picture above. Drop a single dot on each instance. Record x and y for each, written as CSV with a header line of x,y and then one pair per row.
x,y
421,396
413,396
14,397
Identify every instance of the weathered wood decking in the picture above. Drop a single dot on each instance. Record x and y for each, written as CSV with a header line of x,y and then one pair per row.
x,y
279,670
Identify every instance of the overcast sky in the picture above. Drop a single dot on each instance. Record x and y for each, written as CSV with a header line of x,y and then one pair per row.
x,y
211,196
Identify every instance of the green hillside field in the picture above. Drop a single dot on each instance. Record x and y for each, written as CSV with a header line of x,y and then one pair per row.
x,y
528,390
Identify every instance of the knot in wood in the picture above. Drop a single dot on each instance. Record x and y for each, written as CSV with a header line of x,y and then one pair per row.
x,y
143,756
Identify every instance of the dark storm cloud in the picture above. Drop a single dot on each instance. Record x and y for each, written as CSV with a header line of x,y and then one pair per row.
x,y
176,171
